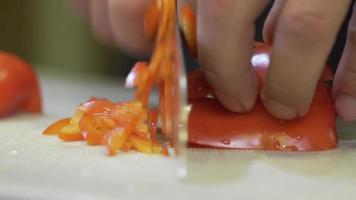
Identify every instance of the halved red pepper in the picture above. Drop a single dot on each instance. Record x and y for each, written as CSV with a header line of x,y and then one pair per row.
x,y
211,125
19,87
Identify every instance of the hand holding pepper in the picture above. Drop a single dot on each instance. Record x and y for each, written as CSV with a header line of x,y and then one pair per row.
x,y
301,33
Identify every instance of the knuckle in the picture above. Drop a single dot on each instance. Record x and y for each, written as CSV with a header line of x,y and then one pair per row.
x,y
306,25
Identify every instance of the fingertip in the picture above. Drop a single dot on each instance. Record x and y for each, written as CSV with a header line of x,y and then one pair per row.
x,y
230,103
280,110
346,107
235,104
242,100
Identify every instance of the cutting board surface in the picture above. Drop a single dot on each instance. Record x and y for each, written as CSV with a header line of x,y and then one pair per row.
x,y
33,166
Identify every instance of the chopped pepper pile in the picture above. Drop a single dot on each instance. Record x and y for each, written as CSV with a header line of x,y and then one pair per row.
x,y
132,125
120,126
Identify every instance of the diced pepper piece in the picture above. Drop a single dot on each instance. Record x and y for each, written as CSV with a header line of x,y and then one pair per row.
x,y
56,127
141,144
102,106
71,132
151,20
156,148
94,138
127,146
119,136
141,129
70,136
123,113
94,128
137,76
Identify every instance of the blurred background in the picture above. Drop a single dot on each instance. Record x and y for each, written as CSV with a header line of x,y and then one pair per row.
x,y
52,35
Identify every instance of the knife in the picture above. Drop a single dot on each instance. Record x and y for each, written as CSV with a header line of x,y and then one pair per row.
x,y
180,107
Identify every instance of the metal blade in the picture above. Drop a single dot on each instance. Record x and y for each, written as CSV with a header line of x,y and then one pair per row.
x,y
180,108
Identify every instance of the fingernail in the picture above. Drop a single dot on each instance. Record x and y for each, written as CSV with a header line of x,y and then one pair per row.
x,y
230,103
346,107
240,100
279,110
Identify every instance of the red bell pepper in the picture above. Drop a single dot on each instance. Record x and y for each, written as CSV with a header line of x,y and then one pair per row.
x,y
211,125
19,87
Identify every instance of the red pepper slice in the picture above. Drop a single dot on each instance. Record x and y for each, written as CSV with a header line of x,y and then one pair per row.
x,y
151,22
70,136
188,24
18,85
211,125
94,106
94,129
56,127
141,144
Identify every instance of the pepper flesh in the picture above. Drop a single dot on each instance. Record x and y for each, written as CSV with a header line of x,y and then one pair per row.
x,y
211,125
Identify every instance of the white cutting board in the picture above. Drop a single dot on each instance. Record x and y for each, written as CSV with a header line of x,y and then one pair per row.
x,y
33,166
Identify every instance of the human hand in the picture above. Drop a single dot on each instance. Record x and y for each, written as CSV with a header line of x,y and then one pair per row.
x,y
301,32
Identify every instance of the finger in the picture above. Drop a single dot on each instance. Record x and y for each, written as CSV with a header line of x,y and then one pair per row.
x,y
127,22
225,40
271,21
344,88
305,33
100,20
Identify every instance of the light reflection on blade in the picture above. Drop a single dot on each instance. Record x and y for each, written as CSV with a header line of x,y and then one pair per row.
x,y
180,108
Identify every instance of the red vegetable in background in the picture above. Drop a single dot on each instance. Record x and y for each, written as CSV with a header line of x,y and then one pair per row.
x,y
19,87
